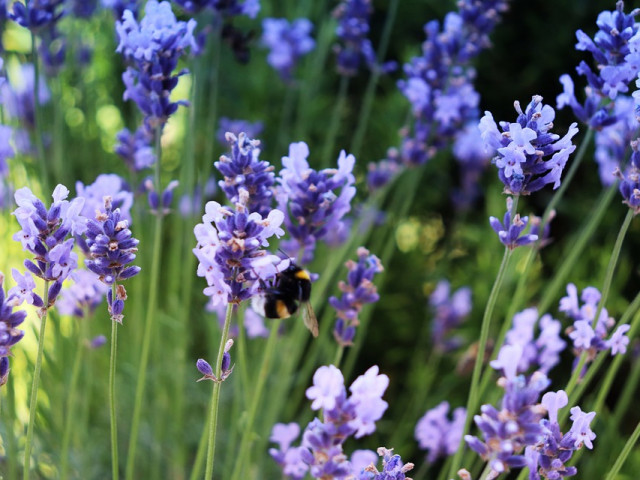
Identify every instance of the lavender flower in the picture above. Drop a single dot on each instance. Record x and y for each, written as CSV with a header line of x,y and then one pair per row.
x,y
226,368
630,180
225,125
106,185
44,234
522,147
160,203
310,199
154,46
547,458
439,435
226,8
112,248
119,6
245,171
352,31
9,334
38,15
23,290
392,467
516,425
542,353
287,42
449,312
472,162
585,337
509,231
321,452
230,250
358,291
83,296
135,149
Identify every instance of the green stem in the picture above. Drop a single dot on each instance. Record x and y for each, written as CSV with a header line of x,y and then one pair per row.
x,y
338,357
215,398
243,456
12,447
365,111
198,463
71,397
36,384
613,261
633,439
472,401
149,323
332,132
112,396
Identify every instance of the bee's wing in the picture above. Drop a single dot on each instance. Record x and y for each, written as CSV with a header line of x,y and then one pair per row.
x,y
310,320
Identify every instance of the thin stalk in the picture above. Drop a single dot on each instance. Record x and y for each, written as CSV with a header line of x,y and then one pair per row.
x,y
149,324
215,398
633,439
334,125
243,457
198,463
71,398
365,111
339,354
613,261
38,114
629,394
112,396
12,447
35,385
472,401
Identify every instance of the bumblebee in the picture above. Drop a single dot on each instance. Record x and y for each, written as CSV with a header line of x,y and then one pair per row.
x,y
291,288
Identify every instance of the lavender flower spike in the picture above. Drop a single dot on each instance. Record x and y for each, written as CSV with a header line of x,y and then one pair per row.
x,y
392,467
287,42
509,231
439,435
310,199
358,291
9,334
112,248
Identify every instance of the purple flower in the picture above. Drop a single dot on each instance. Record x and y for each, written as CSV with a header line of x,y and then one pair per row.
x,y
226,368
311,201
287,42
226,8
523,146
9,334
439,435
230,250
472,162
449,311
328,383
618,341
24,290
44,233
509,231
135,149
245,171
356,292
154,46
17,95
392,467
630,180
6,150
37,16
106,185
119,6
112,248
225,125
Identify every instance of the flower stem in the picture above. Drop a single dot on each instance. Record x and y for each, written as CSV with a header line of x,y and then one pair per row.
x,y
334,125
112,397
472,401
215,398
243,457
608,278
148,325
72,392
36,384
633,439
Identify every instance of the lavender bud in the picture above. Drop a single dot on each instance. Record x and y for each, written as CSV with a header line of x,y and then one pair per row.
x,y
204,367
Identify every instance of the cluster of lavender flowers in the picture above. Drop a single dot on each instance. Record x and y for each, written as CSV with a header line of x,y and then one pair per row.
x,y
523,146
154,46
449,311
287,43
439,84
321,452
439,435
517,435
310,199
356,292
352,32
111,248
9,334
510,230
135,148
45,233
588,334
